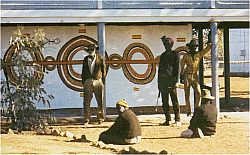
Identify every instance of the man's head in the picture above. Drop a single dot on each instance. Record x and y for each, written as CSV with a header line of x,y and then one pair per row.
x,y
90,49
192,45
206,95
167,42
121,105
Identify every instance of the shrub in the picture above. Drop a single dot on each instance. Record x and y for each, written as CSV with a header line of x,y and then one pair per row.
x,y
19,97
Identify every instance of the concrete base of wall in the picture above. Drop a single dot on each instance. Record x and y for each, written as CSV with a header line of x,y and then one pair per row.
x,y
78,112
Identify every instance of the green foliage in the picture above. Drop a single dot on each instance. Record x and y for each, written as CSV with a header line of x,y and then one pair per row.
x,y
19,98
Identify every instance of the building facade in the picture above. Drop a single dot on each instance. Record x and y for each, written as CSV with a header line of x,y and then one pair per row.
x,y
127,33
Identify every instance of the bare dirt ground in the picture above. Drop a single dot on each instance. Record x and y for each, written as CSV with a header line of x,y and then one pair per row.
x,y
232,135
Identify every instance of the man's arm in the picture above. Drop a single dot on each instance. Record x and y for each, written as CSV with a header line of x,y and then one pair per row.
x,y
116,126
176,66
82,75
103,69
183,62
206,50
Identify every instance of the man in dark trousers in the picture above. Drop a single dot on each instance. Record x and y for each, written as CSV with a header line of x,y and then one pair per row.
x,y
167,80
125,130
93,78
203,122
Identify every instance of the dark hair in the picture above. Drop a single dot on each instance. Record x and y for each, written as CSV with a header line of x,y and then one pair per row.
x,y
169,40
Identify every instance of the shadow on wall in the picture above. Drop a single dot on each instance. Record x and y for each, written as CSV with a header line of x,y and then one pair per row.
x,y
237,104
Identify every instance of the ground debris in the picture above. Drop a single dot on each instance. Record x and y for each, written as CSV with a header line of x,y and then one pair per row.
x,y
224,117
102,145
56,132
10,131
132,150
81,139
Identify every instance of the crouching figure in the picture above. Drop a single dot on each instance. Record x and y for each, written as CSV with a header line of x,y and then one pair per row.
x,y
203,122
125,130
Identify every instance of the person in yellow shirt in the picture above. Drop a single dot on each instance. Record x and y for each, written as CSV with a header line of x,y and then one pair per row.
x,y
189,72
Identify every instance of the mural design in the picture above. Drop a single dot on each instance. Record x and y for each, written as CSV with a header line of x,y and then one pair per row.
x,y
50,67
113,59
35,57
130,72
70,75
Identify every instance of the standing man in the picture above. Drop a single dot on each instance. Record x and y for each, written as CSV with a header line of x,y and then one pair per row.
x,y
189,74
93,78
167,80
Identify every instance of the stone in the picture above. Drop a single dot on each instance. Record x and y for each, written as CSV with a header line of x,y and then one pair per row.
x,y
133,151
69,134
101,144
11,132
123,151
56,132
110,146
163,152
93,144
83,137
48,131
63,134
40,131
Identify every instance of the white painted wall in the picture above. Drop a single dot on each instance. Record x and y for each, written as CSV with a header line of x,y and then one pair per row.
x,y
117,39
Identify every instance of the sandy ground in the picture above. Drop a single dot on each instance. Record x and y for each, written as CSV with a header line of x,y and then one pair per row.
x,y
232,135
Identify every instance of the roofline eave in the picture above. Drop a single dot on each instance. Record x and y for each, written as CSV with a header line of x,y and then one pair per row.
x,y
124,15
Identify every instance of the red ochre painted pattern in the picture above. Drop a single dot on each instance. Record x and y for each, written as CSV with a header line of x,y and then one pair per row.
x,y
72,79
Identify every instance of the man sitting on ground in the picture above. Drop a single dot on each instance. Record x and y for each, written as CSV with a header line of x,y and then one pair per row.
x,y
203,122
125,130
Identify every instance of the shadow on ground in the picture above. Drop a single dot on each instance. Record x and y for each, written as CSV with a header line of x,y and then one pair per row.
x,y
237,104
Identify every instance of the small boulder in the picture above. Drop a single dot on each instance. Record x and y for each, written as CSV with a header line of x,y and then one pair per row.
x,y
63,134
11,132
69,134
40,131
83,137
101,145
163,152
56,132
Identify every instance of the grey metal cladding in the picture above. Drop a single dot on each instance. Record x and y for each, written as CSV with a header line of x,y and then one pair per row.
x,y
121,4
232,4
45,4
154,4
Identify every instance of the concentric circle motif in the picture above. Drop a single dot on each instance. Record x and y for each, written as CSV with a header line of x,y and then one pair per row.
x,y
129,71
50,67
115,57
71,74
70,77
36,56
158,60
181,48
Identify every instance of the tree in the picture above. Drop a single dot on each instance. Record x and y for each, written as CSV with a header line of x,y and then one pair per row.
x,y
18,98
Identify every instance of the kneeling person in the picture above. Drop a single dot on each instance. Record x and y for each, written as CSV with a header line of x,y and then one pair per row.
x,y
125,130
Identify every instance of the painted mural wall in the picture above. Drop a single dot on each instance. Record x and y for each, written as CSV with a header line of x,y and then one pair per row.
x,y
137,83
